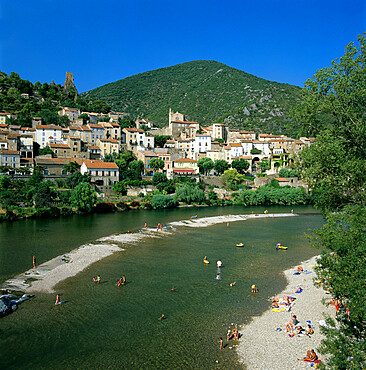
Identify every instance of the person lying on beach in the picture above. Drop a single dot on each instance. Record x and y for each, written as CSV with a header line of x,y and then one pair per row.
x,y
309,330
310,356
285,300
275,304
289,327
299,290
299,268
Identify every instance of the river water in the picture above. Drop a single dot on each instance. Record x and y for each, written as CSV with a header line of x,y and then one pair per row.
x,y
105,326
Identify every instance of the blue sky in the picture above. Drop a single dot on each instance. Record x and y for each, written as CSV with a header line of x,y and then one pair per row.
x,y
102,41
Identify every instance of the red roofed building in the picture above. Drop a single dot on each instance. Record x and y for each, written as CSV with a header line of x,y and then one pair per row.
x,y
185,166
103,174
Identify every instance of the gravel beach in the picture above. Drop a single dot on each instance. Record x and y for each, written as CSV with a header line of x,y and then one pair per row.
x,y
263,347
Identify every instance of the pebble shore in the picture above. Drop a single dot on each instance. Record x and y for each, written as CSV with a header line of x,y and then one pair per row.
x,y
263,347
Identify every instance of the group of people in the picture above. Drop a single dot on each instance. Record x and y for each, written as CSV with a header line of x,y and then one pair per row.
x,y
121,281
293,327
285,302
96,279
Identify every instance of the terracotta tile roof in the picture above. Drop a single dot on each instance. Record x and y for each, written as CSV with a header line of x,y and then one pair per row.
x,y
59,146
202,135
186,160
235,144
149,153
100,164
49,127
9,152
113,141
186,122
95,125
282,179
28,129
133,129
94,147
247,132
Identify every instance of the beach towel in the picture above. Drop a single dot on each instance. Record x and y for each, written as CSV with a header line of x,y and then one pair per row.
x,y
299,291
314,362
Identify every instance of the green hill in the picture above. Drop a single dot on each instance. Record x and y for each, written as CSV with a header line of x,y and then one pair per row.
x,y
206,92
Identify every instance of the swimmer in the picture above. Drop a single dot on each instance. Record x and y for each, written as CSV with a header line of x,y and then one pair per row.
x,y
145,226
98,279
218,263
227,225
173,289
204,258
218,277
34,262
123,278
94,279
57,299
221,343
254,289
162,317
233,283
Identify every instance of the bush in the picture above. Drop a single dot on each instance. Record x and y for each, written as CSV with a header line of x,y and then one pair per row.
x,y
190,194
159,178
162,201
104,207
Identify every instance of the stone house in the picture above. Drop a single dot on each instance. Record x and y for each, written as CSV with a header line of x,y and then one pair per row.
x,y
108,146
9,158
61,150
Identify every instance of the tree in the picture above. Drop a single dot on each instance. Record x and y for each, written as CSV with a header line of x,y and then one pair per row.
x,y
5,182
159,178
83,197
72,167
136,167
85,117
264,165
255,151
77,178
156,164
205,165
190,194
46,150
231,177
120,188
160,140
126,122
162,201
221,166
241,165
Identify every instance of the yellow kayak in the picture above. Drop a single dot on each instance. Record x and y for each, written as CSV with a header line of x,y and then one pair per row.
x,y
205,261
240,245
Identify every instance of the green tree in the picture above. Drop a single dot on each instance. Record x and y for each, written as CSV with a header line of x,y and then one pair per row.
x,y
190,194
126,122
231,177
264,165
255,151
120,188
46,150
156,164
85,117
160,140
72,167
205,165
159,178
83,197
221,166
5,182
77,178
241,165
162,201
136,168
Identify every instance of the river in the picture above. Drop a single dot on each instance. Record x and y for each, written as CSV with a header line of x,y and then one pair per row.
x,y
105,326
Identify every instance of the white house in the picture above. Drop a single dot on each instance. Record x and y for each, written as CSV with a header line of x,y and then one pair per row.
x,y
46,134
202,143
236,150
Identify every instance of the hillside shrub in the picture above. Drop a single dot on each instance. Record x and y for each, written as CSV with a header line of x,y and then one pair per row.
x,y
163,201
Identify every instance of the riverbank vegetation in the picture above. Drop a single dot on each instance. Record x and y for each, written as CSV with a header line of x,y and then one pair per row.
x,y
334,109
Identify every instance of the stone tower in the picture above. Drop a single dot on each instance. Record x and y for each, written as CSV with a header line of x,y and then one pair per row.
x,y
69,83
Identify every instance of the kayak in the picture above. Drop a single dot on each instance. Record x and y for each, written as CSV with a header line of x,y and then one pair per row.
x,y
205,261
240,245
281,247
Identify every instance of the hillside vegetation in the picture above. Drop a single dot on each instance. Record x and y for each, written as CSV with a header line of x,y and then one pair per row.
x,y
206,92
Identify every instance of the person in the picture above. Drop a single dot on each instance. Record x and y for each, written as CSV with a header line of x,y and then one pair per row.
x,y
57,299
173,289
299,268
94,279
218,277
266,211
299,290
235,333
310,355
98,279
229,335
123,278
219,263
254,289
34,262
309,330
119,282
275,304
227,225
292,211
204,258
162,317
145,226
233,283
294,319
221,343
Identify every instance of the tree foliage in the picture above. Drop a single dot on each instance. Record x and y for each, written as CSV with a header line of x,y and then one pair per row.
x,y
83,197
189,194
162,201
156,164
221,166
241,165
205,165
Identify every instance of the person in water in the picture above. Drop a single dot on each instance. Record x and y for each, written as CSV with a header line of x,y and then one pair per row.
x,y
233,283
58,300
204,258
219,263
94,279
123,279
98,279
162,317
34,262
254,289
221,343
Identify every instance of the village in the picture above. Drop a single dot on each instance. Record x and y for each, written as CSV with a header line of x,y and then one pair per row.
x,y
186,143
